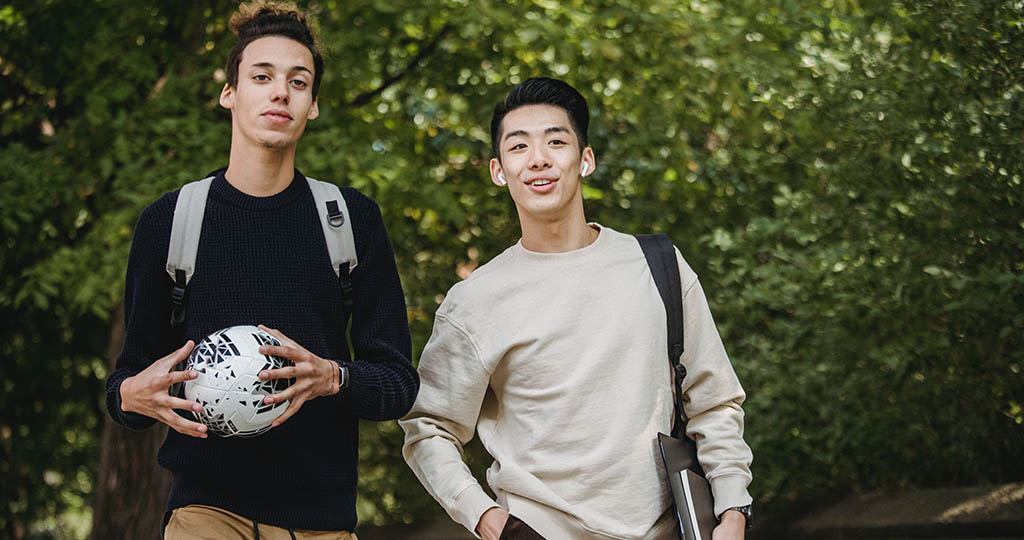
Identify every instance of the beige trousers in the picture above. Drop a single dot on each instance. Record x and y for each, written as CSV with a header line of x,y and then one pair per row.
x,y
198,522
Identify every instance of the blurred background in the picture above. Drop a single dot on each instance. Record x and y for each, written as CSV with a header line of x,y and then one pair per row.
x,y
844,175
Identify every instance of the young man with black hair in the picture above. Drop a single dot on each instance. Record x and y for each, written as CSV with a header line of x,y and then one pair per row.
x,y
263,259
554,352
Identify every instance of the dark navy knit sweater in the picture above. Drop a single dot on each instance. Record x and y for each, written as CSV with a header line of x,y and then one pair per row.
x,y
264,260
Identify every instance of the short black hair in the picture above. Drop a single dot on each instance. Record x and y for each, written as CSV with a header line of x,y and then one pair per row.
x,y
255,20
543,91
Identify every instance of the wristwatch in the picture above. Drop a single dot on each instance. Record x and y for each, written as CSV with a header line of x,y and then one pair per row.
x,y
747,513
342,377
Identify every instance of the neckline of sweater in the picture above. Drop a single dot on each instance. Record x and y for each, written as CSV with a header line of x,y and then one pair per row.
x,y
583,254
224,191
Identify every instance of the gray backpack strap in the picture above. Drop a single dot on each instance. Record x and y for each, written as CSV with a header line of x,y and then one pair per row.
x,y
185,231
336,223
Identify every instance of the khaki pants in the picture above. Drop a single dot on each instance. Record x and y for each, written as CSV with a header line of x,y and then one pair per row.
x,y
198,522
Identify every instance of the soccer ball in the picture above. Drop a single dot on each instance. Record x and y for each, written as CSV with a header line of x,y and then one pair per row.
x,y
228,386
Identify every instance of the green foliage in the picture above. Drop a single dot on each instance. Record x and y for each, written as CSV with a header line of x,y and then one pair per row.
x,y
881,293
842,174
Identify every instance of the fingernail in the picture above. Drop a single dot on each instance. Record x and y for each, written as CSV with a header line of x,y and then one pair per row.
x,y
262,375
268,400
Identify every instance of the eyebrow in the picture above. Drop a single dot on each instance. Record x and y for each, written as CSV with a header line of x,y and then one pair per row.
x,y
294,68
523,133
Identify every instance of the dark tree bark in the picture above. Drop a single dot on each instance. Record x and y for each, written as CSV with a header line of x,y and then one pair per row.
x,y
131,489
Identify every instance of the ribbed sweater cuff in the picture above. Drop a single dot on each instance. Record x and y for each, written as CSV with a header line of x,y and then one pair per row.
x,y
363,395
730,491
376,392
469,505
130,420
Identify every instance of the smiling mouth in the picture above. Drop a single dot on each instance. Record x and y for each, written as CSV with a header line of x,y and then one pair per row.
x,y
541,182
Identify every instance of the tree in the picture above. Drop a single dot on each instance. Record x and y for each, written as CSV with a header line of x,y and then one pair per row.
x,y
129,502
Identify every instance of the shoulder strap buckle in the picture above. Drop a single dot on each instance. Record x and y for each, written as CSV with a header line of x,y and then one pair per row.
x,y
680,371
345,278
335,217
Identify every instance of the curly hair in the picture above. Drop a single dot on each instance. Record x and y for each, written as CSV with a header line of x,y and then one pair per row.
x,y
262,18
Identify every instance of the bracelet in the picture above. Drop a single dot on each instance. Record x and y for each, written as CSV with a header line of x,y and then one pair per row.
x,y
334,382
341,381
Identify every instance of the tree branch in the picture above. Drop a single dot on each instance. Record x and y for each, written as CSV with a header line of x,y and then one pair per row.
x,y
366,97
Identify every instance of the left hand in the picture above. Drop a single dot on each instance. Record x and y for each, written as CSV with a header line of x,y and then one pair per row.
x,y
491,523
314,376
732,526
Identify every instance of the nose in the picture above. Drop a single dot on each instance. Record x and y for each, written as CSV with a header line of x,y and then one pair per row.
x,y
280,92
538,159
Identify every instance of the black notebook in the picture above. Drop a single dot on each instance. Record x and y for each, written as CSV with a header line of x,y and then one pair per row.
x,y
696,491
691,492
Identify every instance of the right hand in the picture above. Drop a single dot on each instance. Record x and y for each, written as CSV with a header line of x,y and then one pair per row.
x,y
147,393
492,523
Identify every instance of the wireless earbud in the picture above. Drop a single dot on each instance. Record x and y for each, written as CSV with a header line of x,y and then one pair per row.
x,y
586,167
501,178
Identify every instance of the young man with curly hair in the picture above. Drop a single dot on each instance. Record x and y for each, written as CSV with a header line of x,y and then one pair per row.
x,y
263,259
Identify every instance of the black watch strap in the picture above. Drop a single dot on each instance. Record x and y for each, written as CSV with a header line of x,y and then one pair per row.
x,y
747,513
343,378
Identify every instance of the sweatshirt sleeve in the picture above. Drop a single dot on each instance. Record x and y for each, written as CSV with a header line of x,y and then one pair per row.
x,y
712,400
384,382
453,382
147,307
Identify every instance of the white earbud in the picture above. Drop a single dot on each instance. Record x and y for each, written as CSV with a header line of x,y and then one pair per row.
x,y
586,167
501,178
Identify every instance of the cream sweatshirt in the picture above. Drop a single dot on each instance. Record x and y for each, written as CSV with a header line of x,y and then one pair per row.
x,y
558,361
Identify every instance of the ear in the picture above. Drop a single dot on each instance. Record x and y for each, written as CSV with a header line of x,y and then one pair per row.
x,y
495,171
314,111
227,97
588,158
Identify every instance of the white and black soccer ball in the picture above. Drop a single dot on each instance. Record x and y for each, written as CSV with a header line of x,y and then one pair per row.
x,y
228,386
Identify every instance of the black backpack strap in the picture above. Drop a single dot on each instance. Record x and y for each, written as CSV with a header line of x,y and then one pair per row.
x,y
178,298
661,258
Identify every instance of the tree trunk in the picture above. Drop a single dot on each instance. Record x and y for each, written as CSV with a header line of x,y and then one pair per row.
x,y
131,489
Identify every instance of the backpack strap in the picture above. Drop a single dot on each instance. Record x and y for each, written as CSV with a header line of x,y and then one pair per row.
x,y
185,231
661,258
337,226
